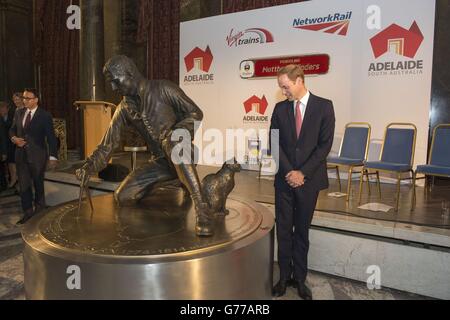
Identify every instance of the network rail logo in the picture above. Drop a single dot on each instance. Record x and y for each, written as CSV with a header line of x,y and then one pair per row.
x,y
337,23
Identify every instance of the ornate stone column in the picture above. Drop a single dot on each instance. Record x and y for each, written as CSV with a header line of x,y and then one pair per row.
x,y
92,52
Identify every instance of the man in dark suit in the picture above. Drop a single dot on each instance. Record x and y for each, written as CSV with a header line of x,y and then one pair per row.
x,y
3,147
31,132
306,129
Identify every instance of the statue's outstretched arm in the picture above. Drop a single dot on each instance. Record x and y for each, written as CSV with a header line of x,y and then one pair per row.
x,y
111,140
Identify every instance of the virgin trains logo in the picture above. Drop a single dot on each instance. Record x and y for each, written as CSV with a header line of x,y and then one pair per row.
x,y
249,36
333,23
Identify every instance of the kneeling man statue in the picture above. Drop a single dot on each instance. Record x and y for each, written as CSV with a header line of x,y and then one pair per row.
x,y
155,108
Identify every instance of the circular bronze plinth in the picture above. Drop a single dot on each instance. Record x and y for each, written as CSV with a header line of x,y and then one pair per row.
x,y
147,253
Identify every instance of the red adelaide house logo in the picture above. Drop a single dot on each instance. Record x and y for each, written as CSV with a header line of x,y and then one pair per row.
x,y
398,40
402,42
199,60
257,106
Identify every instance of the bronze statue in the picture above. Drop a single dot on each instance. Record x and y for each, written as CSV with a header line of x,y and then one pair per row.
x,y
155,108
217,186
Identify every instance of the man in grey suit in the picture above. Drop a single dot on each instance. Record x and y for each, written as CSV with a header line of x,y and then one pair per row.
x,y
31,132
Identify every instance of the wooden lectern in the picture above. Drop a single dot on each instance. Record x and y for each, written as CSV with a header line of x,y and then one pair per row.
x,y
96,119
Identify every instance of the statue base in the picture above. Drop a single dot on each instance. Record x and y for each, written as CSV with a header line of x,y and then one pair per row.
x,y
147,252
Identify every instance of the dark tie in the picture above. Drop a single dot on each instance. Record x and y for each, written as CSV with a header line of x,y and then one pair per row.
x,y
298,118
27,120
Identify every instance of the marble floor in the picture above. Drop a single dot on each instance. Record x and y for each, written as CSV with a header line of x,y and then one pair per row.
x,y
11,246
324,287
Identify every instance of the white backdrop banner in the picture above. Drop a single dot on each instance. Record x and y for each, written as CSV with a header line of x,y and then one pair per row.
x,y
373,59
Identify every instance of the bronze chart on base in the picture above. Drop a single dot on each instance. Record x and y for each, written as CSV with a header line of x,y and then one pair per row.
x,y
148,252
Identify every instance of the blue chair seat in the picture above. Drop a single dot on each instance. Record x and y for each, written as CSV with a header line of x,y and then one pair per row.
x,y
382,165
345,161
431,169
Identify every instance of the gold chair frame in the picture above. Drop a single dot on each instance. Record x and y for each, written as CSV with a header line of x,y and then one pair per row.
x,y
331,165
399,178
413,200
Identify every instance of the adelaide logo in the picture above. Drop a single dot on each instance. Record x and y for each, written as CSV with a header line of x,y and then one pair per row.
x,y
398,40
257,106
401,43
198,64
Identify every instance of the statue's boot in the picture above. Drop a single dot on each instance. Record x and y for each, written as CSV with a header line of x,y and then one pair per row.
x,y
204,226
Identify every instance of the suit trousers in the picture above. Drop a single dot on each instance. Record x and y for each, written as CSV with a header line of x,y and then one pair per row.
x,y
31,175
3,182
294,209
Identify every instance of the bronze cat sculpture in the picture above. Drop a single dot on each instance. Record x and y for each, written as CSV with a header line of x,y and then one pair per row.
x,y
217,186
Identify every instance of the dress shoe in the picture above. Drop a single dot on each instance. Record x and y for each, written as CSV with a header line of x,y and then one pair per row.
x,y
280,288
12,184
27,216
303,291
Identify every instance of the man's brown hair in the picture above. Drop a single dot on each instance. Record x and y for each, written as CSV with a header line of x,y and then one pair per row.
x,y
293,71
